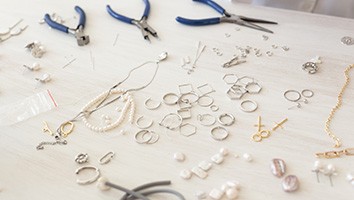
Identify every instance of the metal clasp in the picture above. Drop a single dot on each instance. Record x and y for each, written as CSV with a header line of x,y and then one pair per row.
x,y
106,158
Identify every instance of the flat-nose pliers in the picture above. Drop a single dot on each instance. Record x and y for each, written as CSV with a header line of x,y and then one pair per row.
x,y
78,32
141,24
227,17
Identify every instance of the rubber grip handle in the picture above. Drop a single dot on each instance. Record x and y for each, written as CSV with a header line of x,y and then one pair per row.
x,y
147,9
82,14
198,22
118,16
55,25
214,5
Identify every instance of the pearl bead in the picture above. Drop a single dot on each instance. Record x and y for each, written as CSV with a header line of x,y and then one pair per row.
x,y
318,165
35,66
331,168
234,184
101,184
178,156
224,151
231,193
350,177
247,157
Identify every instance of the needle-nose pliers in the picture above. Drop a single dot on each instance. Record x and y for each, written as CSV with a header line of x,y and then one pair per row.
x,y
78,32
227,17
141,24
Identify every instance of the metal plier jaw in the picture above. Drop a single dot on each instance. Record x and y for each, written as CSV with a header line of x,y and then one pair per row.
x,y
78,32
145,28
81,38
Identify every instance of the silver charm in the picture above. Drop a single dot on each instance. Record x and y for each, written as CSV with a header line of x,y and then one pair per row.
x,y
36,48
106,158
310,67
290,183
278,167
347,40
82,158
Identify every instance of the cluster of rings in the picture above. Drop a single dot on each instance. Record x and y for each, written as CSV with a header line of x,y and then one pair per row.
x,y
347,40
146,137
297,95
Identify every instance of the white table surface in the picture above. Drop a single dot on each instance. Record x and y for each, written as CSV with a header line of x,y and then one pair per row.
x,y
49,174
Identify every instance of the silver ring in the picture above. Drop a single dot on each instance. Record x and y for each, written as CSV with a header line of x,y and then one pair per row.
x,y
219,137
201,118
255,106
292,91
155,138
214,108
88,181
141,139
226,115
307,93
142,126
151,108
164,98
189,101
347,40
170,126
211,101
81,158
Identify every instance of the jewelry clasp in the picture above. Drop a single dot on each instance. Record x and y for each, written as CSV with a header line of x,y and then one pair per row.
x,y
64,133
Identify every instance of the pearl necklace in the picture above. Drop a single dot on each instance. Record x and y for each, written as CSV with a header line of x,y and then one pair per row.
x,y
129,107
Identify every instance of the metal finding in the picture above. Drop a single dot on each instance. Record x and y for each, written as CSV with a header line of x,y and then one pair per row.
x,y
146,137
146,103
81,158
142,126
310,67
219,137
169,95
297,98
88,181
347,40
205,89
171,127
208,103
106,158
214,108
251,109
189,98
202,119
227,123
307,93
234,61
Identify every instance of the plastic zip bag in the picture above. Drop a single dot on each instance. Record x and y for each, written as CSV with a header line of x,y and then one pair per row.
x,y
29,107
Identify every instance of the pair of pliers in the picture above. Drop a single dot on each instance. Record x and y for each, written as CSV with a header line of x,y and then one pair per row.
x,y
141,24
227,17
78,32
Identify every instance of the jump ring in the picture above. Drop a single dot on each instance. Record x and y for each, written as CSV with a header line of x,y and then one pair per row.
x,y
142,133
141,126
211,101
149,107
226,115
219,137
203,116
252,109
214,108
170,102
307,93
88,181
294,99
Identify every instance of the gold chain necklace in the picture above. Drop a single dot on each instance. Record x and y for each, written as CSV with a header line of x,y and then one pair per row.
x,y
337,141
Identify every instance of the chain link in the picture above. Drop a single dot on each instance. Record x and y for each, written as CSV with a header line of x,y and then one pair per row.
x,y
328,130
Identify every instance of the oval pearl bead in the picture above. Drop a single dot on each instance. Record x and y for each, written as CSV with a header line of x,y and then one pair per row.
x,y
290,183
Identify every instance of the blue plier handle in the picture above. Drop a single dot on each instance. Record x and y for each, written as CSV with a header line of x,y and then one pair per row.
x,y
226,17
127,19
202,22
64,28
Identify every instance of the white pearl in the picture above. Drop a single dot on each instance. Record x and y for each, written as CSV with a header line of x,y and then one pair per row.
x,y
331,168
350,177
224,187
205,165
247,157
317,165
216,194
217,159
201,195
41,48
231,193
35,66
224,151
178,156
234,184
101,184
46,77
185,174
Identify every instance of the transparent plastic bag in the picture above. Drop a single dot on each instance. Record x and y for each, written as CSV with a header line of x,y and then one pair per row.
x,y
29,107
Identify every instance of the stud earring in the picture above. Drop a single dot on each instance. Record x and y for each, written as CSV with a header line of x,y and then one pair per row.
x,y
350,178
35,67
330,171
44,79
36,48
317,168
